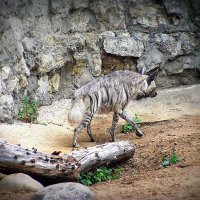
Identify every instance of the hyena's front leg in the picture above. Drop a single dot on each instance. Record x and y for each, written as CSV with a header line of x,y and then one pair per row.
x,y
124,116
90,132
114,124
85,123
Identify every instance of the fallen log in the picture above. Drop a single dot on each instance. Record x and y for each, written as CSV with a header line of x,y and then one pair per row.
x,y
67,167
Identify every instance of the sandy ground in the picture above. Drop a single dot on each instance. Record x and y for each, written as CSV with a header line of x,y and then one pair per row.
x,y
143,177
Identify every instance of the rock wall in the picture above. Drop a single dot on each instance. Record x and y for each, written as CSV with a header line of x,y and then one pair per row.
x,y
50,47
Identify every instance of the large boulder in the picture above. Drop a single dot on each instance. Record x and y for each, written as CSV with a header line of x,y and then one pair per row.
x,y
123,46
63,191
180,64
176,44
20,182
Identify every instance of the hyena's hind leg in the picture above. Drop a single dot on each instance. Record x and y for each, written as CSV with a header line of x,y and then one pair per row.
x,y
124,116
85,123
114,124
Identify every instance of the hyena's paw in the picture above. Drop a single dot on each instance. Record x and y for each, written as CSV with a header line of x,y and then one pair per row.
x,y
116,140
76,145
112,139
92,140
139,133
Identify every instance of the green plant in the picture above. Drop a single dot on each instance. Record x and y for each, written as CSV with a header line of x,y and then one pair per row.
x,y
128,127
99,175
170,160
28,110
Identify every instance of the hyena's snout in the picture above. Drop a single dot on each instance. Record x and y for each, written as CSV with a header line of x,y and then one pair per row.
x,y
153,94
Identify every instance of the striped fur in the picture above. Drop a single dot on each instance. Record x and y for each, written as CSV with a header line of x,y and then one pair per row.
x,y
110,93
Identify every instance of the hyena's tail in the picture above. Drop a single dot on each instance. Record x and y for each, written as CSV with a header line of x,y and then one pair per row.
x,y
77,111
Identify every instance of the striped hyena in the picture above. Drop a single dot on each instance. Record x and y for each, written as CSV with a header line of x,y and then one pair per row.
x,y
111,92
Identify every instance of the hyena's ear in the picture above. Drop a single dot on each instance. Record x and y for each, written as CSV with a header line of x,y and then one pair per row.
x,y
143,70
152,76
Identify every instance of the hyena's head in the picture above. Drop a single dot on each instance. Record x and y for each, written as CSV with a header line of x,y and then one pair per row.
x,y
149,86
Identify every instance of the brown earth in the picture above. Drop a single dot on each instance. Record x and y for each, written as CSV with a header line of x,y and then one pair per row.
x,y
143,177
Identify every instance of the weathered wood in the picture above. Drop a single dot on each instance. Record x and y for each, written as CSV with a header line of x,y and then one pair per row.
x,y
14,158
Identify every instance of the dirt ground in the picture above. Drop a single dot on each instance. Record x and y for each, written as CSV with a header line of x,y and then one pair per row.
x,y
143,177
